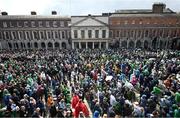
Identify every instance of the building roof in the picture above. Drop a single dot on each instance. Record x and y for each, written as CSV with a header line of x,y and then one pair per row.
x,y
143,15
141,11
85,18
28,17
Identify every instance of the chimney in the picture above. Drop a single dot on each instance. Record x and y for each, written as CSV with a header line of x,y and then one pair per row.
x,y
4,13
33,13
158,7
54,13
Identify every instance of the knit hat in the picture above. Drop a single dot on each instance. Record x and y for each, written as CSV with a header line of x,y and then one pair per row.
x,y
96,114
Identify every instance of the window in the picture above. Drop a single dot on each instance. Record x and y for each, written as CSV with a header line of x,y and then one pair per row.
x,y
117,33
21,35
125,33
140,22
49,35
121,33
89,34
139,33
154,33
133,22
146,33
75,34
56,35
126,22
13,35
63,34
82,34
110,34
177,33
132,33
35,35
150,33
42,35
27,35
104,33
96,33
52,34
6,35
65,23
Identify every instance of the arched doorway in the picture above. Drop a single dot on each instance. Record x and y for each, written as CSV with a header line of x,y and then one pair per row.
x,y
124,44
146,46
29,45
36,45
138,44
43,45
131,44
10,45
56,44
17,46
63,45
22,46
50,45
154,43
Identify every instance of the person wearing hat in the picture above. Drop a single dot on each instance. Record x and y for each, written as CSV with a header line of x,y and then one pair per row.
x,y
96,114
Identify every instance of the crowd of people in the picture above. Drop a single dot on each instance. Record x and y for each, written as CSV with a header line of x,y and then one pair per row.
x,y
90,83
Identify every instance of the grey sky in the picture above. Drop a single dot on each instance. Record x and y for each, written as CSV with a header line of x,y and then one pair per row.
x,y
79,7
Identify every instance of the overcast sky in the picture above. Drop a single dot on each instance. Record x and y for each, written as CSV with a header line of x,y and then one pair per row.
x,y
79,7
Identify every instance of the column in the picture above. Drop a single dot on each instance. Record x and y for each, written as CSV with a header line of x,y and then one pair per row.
x,y
86,45
46,45
107,45
92,45
120,43
128,44
80,45
99,45
72,45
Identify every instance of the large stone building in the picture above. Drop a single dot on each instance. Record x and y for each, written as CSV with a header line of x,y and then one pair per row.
x,y
89,32
156,28
34,31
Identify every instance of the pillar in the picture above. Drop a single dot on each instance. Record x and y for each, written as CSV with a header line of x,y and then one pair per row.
x,y
128,44
119,43
135,43
107,45
46,45
80,45
72,45
99,45
92,45
86,45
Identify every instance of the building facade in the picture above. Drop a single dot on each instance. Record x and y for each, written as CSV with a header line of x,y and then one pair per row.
x,y
89,32
34,32
158,28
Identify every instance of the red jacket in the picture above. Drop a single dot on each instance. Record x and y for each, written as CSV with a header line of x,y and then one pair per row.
x,y
74,101
81,107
